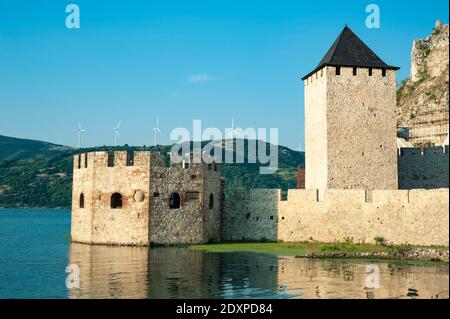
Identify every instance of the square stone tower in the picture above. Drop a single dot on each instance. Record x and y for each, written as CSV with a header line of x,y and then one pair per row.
x,y
350,124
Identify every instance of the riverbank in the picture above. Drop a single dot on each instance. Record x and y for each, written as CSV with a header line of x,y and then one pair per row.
x,y
335,250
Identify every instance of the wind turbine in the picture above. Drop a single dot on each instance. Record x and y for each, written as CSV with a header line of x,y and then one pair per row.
x,y
156,130
116,133
232,131
80,130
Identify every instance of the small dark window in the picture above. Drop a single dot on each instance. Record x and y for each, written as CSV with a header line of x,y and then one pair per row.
x,y
193,176
116,201
86,160
383,72
370,71
81,200
215,167
209,167
355,70
79,161
174,201
211,201
155,194
338,70
186,165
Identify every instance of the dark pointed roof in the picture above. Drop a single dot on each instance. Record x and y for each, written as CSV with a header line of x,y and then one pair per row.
x,y
349,50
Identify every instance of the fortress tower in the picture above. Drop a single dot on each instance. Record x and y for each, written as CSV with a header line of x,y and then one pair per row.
x,y
134,198
350,124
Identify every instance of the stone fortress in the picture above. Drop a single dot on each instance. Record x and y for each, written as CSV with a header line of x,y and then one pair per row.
x,y
121,200
351,177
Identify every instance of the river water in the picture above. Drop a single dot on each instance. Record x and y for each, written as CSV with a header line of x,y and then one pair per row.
x,y
38,261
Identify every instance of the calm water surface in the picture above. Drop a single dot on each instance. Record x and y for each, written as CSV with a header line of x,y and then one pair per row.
x,y
34,254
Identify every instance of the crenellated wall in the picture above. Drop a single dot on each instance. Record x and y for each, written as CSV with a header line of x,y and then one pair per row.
x,y
145,185
98,178
423,168
399,216
416,216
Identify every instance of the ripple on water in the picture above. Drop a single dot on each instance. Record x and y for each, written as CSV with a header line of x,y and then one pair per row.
x,y
34,257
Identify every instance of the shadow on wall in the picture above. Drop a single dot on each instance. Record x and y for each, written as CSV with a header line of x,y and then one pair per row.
x,y
251,215
423,168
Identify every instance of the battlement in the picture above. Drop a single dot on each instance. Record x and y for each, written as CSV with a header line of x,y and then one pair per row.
x,y
426,151
359,196
400,216
344,72
117,159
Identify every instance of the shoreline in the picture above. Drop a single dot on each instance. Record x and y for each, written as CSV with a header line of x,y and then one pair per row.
x,y
336,251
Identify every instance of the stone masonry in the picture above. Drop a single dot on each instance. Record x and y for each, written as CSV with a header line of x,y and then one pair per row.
x,y
399,216
350,123
423,167
119,201
350,129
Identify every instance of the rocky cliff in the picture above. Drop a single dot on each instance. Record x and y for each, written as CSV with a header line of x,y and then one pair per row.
x,y
422,99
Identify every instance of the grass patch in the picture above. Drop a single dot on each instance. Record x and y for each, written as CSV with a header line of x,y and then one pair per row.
x,y
307,248
290,249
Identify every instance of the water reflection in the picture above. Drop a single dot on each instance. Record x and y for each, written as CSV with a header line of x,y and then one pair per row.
x,y
349,279
139,272
110,272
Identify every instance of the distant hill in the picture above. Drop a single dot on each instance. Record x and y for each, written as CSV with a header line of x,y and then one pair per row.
x,y
39,174
16,148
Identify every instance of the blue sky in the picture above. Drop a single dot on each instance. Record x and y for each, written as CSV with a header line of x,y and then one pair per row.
x,y
181,60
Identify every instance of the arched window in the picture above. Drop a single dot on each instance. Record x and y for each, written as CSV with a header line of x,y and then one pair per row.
x,y
116,200
174,201
211,201
81,200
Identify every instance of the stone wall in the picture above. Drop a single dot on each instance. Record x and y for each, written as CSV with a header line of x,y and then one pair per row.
x,y
145,185
251,215
399,216
193,222
212,214
361,129
316,172
98,179
423,168
350,129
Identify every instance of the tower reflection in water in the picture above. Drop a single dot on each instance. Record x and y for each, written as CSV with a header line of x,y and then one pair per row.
x,y
142,272
109,271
